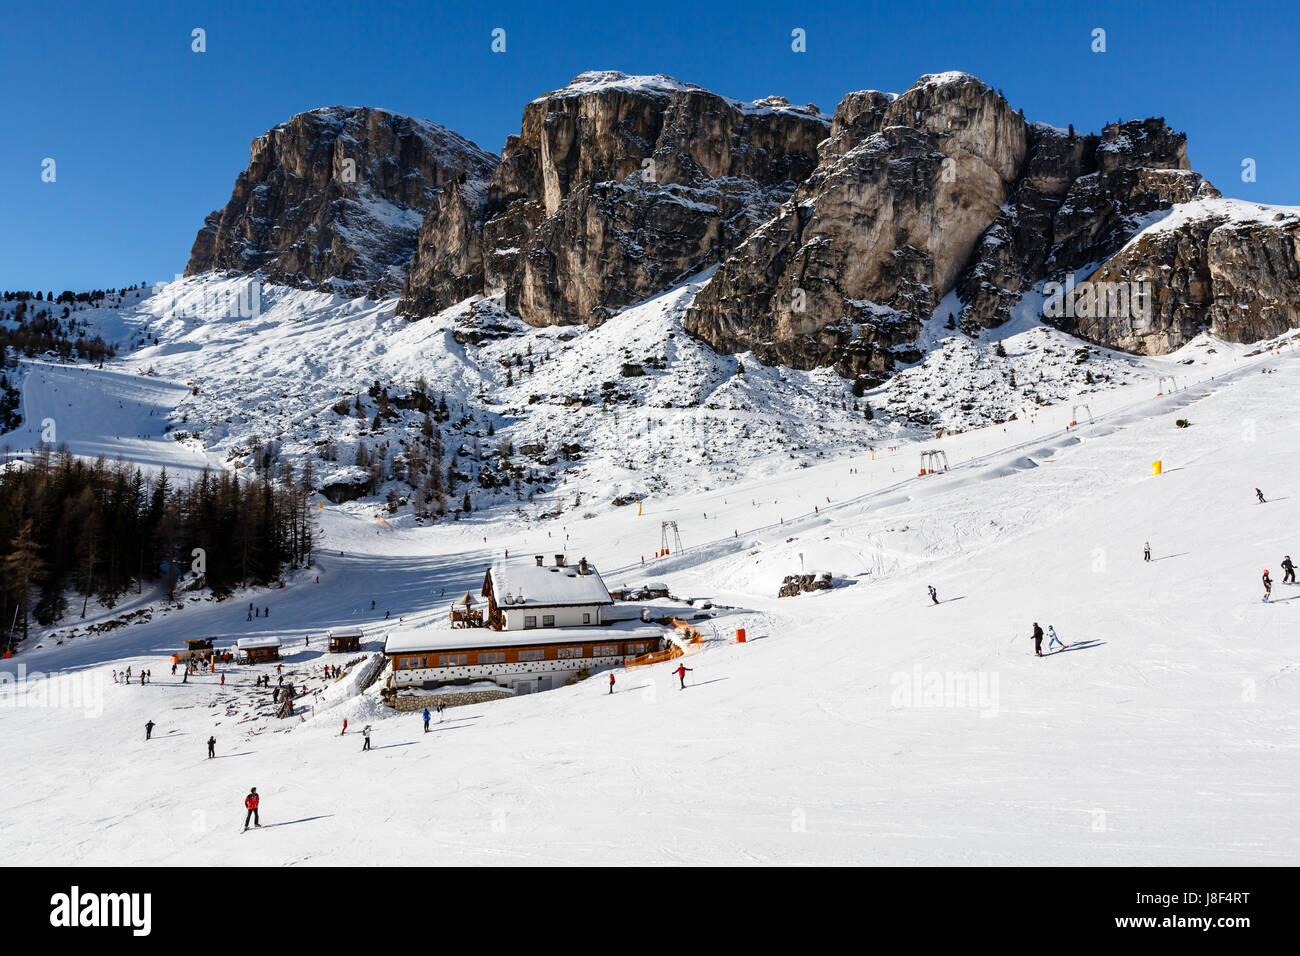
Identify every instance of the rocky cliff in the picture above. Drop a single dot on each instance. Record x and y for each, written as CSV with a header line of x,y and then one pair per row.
x,y
944,191
866,248
615,188
334,198
837,240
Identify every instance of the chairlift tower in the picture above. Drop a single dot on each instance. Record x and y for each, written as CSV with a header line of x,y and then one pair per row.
x,y
670,541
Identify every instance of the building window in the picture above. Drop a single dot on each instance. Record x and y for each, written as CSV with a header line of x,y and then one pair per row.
x,y
424,662
605,650
530,620
534,655
492,657
453,660
586,619
570,652
548,620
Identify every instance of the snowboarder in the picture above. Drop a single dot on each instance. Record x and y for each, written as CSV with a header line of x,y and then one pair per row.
x,y
934,595
148,730
1260,495
426,720
1146,551
365,732
1289,568
681,674
1268,586
1053,639
611,683
1038,640
212,747
251,801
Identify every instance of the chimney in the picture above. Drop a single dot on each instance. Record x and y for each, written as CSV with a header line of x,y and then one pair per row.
x,y
539,559
582,566
559,560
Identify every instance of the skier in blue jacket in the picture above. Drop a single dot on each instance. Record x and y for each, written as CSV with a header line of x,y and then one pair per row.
x,y
1053,639
426,720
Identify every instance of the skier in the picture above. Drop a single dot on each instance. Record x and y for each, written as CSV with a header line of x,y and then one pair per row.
x,y
1268,586
1038,640
681,674
115,675
257,612
148,730
251,801
611,682
426,720
387,615
934,595
212,747
372,605
250,616
441,707
345,727
223,680
185,678
1146,551
1289,568
266,612
1260,495
1052,638
173,671
365,732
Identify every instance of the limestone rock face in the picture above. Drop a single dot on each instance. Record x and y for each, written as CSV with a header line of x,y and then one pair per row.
x,y
1217,268
867,247
334,199
615,188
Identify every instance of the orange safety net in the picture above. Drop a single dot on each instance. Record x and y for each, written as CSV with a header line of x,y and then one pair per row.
x,y
655,657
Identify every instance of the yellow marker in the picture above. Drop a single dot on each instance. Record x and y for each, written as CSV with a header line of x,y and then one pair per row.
x,y
1156,467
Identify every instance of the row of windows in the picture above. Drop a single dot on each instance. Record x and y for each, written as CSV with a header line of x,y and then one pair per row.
x,y
530,654
548,620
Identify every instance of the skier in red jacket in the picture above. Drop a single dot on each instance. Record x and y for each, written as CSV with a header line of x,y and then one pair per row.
x,y
611,683
681,674
251,801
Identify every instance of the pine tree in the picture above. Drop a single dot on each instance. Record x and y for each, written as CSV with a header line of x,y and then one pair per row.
x,y
22,566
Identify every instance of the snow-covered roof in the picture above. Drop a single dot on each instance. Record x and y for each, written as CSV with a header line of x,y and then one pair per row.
x,y
548,586
345,632
256,643
431,640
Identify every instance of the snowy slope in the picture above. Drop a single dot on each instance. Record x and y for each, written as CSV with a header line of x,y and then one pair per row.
x,y
1164,735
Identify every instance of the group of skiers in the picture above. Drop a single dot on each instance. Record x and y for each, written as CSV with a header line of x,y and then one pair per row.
x,y
439,706
1037,635
145,677
258,611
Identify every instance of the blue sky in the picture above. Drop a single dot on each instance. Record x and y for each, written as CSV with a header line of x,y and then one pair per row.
x,y
148,136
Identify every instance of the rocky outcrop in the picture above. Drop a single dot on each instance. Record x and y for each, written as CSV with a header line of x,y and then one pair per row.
x,y
946,190
334,199
1232,269
616,188
861,255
